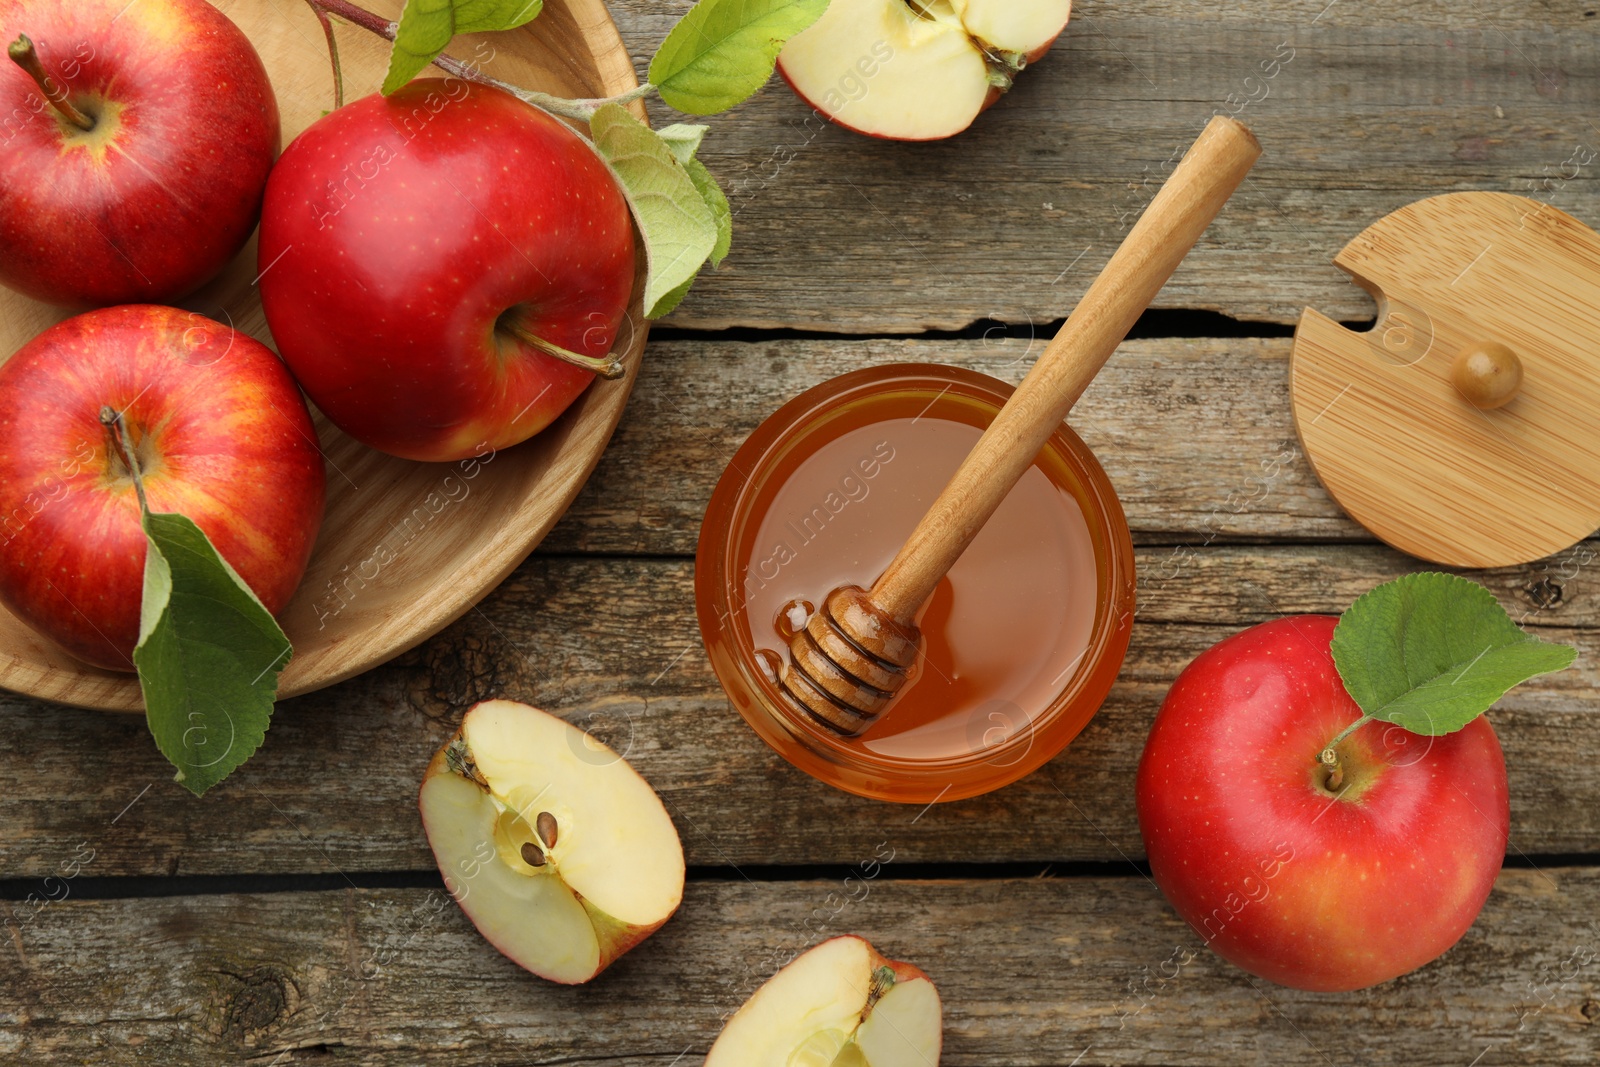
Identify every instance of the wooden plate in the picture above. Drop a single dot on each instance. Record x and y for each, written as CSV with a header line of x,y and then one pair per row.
x,y
406,548
1385,429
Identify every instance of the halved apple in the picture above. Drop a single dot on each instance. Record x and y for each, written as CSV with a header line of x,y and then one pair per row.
x,y
917,70
839,1005
557,850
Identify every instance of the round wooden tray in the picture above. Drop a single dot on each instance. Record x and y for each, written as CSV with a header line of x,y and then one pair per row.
x,y
406,548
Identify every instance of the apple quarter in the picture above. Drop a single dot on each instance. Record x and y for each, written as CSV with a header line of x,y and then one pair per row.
x,y
558,851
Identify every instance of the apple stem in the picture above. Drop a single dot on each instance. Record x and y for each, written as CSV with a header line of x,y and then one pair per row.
x,y
333,52
1335,778
111,419
1329,757
608,367
24,55
581,109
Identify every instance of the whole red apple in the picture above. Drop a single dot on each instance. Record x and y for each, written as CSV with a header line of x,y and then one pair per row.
x,y
415,251
1310,886
221,435
144,176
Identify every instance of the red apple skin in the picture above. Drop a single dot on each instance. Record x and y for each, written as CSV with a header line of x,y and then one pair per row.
x,y
167,188
224,436
1279,875
395,233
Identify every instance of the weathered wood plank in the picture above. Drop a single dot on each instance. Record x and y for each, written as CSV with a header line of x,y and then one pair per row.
x,y
1196,435
1382,104
1186,429
1083,971
334,787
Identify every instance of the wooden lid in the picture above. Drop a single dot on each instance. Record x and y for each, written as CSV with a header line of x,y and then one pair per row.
x,y
1382,422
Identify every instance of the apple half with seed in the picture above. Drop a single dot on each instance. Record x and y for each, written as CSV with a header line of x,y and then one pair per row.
x,y
839,1005
917,70
557,850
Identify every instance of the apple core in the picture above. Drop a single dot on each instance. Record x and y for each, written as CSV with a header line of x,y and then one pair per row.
x,y
558,851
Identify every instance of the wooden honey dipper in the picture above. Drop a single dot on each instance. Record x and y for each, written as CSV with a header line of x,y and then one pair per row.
x,y
852,655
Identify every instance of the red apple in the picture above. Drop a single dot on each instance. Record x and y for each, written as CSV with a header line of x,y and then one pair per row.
x,y
917,70
1310,886
164,185
412,247
221,435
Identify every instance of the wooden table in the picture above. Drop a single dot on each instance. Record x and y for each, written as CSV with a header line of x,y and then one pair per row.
x,y
294,915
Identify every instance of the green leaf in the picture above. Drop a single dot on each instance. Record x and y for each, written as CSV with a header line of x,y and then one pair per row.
x,y
209,655
426,27
684,141
717,201
666,305
722,51
1431,652
679,230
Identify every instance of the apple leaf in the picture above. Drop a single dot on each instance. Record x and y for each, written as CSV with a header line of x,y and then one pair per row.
x,y
670,301
208,657
722,51
1430,652
683,141
717,201
426,27
679,229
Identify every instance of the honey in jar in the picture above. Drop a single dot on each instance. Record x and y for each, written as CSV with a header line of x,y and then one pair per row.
x,y
1021,639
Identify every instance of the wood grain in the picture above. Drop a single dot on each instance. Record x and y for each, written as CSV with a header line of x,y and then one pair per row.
x,y
1382,421
1051,971
1382,104
1200,184
1196,435
405,547
334,788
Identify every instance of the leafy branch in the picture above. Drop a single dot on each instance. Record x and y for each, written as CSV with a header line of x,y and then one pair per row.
x,y
717,56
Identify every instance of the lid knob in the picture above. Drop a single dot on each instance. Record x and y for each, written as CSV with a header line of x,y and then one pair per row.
x,y
1487,374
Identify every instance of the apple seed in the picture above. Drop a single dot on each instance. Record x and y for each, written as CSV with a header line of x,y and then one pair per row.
x,y
546,825
531,855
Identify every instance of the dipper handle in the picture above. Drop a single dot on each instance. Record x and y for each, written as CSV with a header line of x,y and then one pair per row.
x,y
1191,197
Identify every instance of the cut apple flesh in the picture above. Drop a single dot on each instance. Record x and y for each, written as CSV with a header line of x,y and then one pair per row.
x,y
838,1005
560,854
916,70
528,917
905,1028
1020,27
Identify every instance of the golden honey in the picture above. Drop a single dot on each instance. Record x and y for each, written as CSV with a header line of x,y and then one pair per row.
x,y
1023,637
